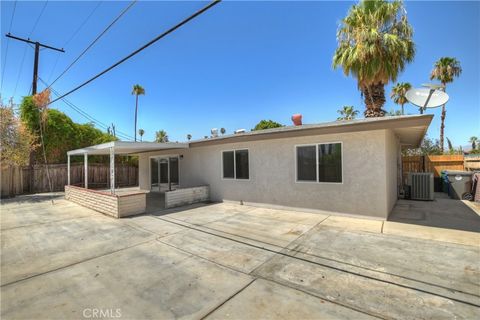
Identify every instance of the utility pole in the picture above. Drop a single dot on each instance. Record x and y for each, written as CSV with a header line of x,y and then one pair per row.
x,y
37,52
34,88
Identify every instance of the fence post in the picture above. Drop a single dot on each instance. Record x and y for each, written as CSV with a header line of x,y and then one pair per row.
x,y
85,161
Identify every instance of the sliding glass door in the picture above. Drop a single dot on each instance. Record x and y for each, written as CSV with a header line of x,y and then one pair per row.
x,y
164,173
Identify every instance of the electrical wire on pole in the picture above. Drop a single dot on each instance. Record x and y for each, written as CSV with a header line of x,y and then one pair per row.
x,y
94,41
90,118
80,27
162,35
26,47
8,43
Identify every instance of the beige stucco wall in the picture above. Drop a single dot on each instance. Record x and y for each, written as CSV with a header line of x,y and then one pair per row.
x,y
364,190
393,164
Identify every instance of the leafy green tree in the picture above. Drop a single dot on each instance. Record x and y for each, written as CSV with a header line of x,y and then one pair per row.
x,y
398,93
374,45
60,133
161,136
446,69
267,124
137,90
16,141
347,113
428,147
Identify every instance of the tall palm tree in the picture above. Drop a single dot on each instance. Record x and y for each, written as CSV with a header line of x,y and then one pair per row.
x,y
398,93
347,113
222,131
189,137
141,132
374,45
161,136
446,69
137,90
473,140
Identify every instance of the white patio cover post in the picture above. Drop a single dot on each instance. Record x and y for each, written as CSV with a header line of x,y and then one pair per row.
x,y
112,170
68,170
85,161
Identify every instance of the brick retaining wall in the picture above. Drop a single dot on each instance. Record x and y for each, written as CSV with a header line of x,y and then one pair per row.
x,y
184,196
113,205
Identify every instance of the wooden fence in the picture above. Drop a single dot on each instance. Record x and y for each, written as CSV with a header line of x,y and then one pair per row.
x,y
16,180
433,164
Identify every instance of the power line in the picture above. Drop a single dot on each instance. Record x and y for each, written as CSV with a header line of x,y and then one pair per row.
x,y
25,49
8,43
199,12
94,41
85,114
82,24
73,36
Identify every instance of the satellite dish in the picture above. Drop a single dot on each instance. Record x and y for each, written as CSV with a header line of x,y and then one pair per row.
x,y
426,98
435,86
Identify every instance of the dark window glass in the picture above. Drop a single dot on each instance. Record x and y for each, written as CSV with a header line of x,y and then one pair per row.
x,y
228,166
330,162
306,164
163,171
241,164
174,170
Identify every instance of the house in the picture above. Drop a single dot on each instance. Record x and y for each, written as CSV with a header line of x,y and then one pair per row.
x,y
348,167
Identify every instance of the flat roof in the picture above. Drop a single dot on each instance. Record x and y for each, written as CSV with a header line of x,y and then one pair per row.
x,y
409,128
127,147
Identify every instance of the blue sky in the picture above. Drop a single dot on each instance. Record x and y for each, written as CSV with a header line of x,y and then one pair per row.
x,y
236,64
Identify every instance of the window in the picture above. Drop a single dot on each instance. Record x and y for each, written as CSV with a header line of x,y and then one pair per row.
x,y
330,162
320,163
235,164
306,163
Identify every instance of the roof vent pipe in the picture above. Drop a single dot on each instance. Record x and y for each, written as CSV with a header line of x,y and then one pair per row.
x,y
297,119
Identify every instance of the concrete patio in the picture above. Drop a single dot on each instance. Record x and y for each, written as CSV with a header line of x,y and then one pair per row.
x,y
227,261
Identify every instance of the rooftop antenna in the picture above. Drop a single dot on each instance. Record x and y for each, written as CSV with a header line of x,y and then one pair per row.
x,y
429,97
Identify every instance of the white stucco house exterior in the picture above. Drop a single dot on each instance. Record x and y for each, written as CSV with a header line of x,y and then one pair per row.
x,y
346,167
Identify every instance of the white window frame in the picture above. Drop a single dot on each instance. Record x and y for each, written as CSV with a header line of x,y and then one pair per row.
x,y
234,164
316,161
172,155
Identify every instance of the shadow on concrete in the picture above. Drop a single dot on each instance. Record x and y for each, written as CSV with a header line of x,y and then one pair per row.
x,y
33,198
443,212
156,205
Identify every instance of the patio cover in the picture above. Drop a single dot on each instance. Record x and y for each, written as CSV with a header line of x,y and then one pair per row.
x,y
118,148
126,147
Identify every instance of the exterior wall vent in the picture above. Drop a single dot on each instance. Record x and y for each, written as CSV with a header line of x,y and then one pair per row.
x,y
421,185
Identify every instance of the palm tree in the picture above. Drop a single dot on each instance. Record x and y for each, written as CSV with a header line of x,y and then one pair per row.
x,y
445,70
161,136
398,93
141,132
189,137
473,140
374,45
137,90
347,113
222,131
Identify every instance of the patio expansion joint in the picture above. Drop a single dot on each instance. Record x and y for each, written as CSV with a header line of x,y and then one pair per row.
x,y
280,253
75,263
44,223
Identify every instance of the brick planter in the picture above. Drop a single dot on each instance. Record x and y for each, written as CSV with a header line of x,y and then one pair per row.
x,y
117,206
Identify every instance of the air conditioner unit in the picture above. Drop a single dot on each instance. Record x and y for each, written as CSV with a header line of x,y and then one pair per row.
x,y
421,185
